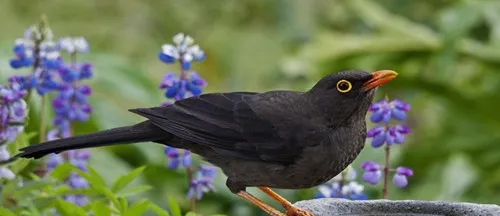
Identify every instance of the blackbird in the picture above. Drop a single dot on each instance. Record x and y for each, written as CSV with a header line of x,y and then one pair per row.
x,y
277,139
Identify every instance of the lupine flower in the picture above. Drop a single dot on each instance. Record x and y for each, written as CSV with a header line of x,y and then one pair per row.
x,y
70,105
187,84
34,47
372,174
53,160
23,50
184,51
384,110
390,135
73,45
176,158
399,178
78,199
343,185
202,183
177,89
351,190
13,111
78,158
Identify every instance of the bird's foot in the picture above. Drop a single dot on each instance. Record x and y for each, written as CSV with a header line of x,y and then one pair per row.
x,y
294,211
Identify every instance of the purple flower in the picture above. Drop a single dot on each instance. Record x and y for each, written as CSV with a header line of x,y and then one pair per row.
x,y
176,158
23,50
13,111
177,88
383,110
396,134
199,185
78,182
389,135
184,51
208,171
53,161
400,178
372,174
378,135
79,200
351,190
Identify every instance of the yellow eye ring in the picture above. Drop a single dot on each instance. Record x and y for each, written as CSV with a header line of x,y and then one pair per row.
x,y
344,86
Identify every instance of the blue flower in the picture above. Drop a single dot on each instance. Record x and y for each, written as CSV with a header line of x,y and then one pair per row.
x,y
400,178
176,159
343,185
13,111
202,183
79,200
390,135
351,190
372,174
384,110
183,51
178,88
73,45
54,159
23,50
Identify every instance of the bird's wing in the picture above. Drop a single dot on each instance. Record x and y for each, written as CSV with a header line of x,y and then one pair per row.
x,y
225,122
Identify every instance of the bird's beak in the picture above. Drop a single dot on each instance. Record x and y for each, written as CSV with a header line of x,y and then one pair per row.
x,y
379,78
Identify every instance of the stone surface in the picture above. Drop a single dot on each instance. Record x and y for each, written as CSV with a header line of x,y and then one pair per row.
x,y
331,206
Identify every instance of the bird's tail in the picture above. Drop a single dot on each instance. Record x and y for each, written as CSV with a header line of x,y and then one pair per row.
x,y
142,132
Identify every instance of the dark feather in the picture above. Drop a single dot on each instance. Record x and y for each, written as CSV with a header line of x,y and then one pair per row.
x,y
227,123
142,132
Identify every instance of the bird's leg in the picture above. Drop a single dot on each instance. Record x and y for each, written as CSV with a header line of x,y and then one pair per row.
x,y
291,210
254,200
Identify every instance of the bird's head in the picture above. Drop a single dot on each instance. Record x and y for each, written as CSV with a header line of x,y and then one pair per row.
x,y
348,94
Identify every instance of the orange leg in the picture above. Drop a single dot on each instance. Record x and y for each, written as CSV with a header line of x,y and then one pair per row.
x,y
290,209
254,200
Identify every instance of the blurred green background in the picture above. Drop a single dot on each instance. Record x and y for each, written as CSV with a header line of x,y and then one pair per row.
x,y
447,53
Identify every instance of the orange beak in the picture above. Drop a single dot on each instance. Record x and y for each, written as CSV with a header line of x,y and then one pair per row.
x,y
379,78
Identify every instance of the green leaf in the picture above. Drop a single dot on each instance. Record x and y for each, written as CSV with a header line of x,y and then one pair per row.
x,y
69,209
6,212
100,209
123,204
138,208
174,208
133,190
190,214
158,210
124,180
30,187
62,171
106,192
92,177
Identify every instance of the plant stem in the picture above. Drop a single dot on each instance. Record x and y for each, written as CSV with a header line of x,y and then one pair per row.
x,y
42,119
386,172
385,191
189,170
192,201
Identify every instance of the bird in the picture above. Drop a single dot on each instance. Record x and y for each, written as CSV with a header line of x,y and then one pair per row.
x,y
275,139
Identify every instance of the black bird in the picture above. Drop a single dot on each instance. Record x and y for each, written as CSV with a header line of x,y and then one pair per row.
x,y
277,139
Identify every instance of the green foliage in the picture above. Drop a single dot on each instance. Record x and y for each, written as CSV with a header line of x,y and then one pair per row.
x,y
44,195
447,54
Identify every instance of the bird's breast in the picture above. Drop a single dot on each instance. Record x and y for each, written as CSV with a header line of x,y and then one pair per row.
x,y
321,163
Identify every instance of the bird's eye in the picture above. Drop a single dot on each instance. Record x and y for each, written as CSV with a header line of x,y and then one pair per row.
x,y
344,86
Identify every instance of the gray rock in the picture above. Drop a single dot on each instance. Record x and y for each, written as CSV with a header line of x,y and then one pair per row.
x,y
331,206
